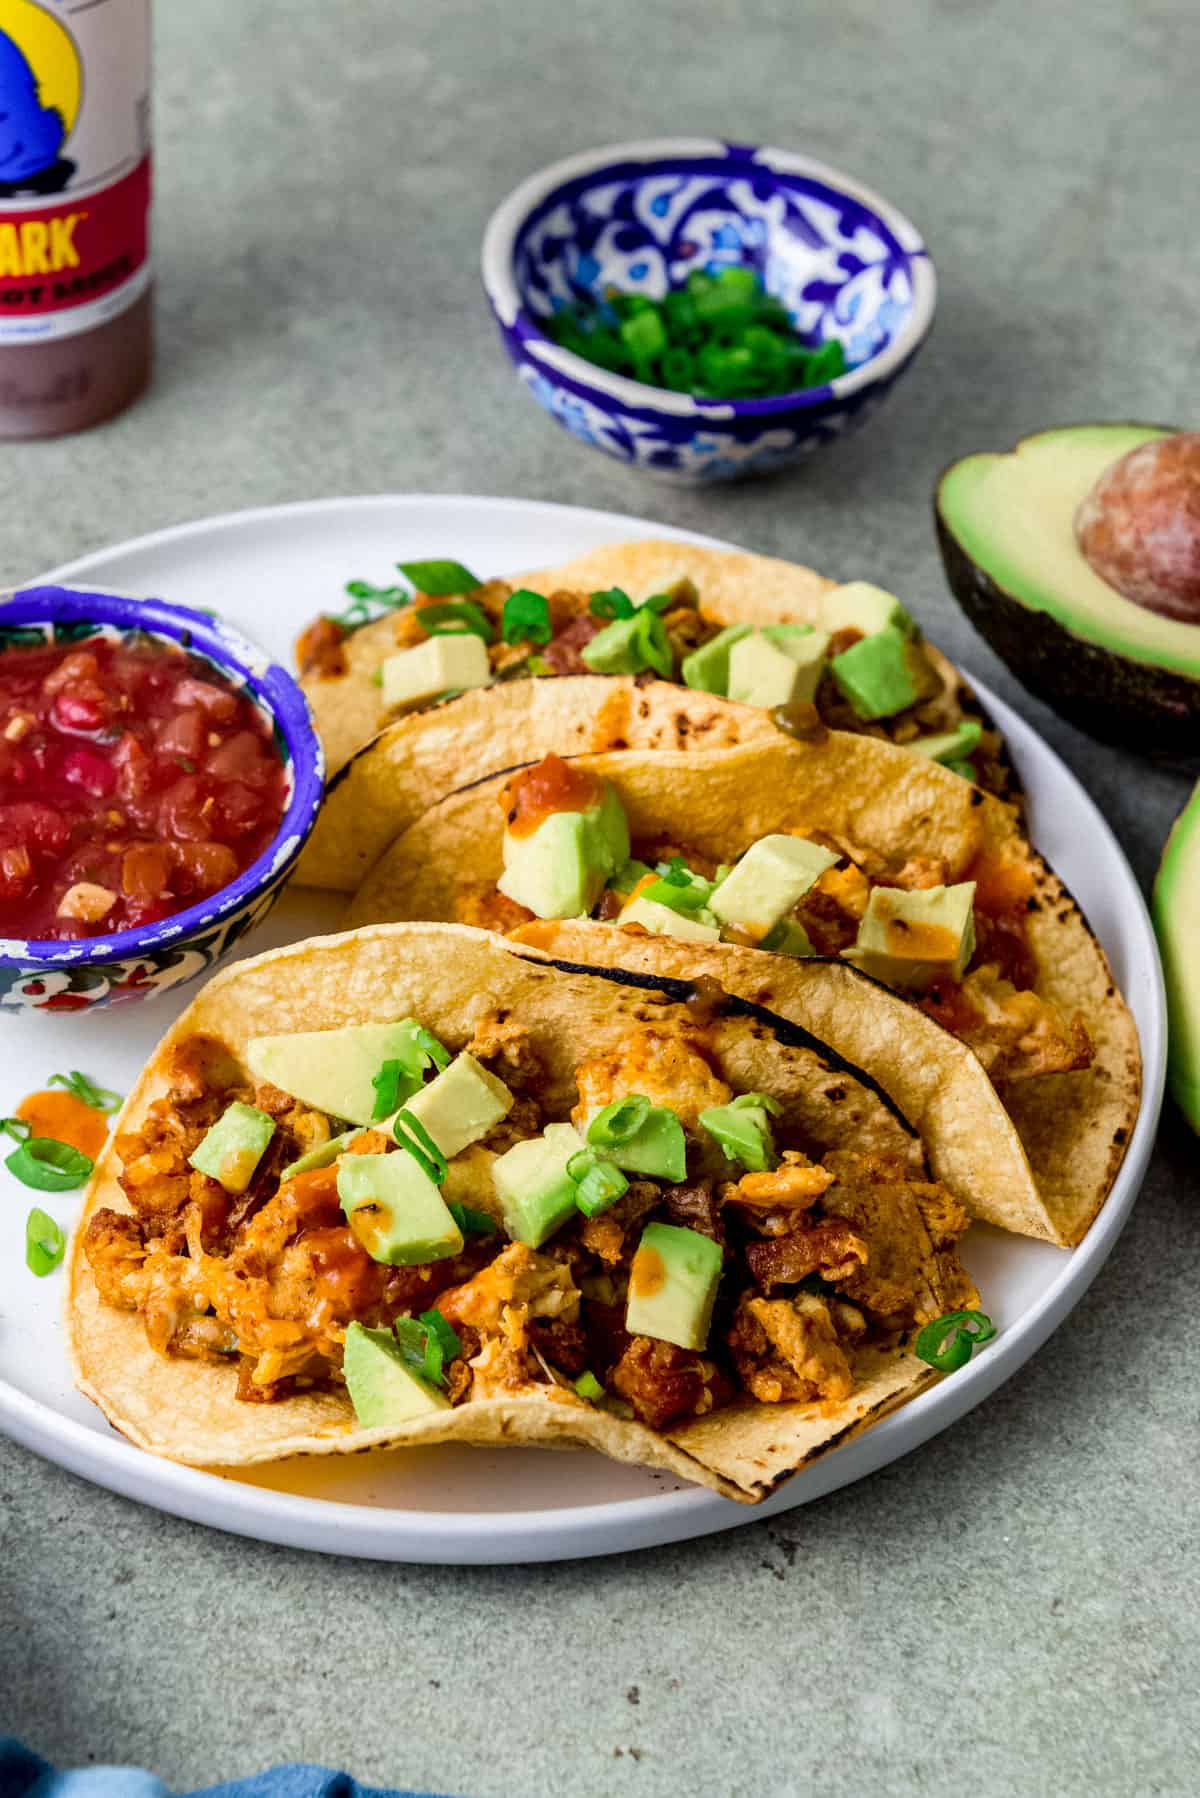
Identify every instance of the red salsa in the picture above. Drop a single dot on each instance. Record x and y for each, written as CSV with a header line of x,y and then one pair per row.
x,y
135,781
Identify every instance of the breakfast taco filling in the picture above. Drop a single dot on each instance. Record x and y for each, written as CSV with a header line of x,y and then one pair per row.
x,y
759,632
362,1210
959,946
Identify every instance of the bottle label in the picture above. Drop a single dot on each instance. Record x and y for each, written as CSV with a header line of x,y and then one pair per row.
x,y
74,164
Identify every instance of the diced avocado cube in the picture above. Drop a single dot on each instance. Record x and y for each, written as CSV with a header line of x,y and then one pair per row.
x,y
743,1131
395,1210
663,920
560,869
332,1070
773,670
658,1148
965,770
536,1193
772,875
618,648
914,939
231,1150
324,1155
950,745
461,1104
453,661
673,1285
884,674
707,668
382,1388
788,938
860,606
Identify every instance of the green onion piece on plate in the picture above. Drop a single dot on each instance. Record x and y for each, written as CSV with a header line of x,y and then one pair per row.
x,y
948,1342
45,1243
99,1098
49,1165
589,1387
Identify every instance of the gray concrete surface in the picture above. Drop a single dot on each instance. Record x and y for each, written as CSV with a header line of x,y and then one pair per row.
x,y
1015,1608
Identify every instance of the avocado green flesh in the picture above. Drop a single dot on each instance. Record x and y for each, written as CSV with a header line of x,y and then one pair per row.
x,y
1176,911
1014,516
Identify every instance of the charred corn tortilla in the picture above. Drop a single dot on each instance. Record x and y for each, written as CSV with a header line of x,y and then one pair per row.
x,y
449,976
385,771
385,787
1073,1128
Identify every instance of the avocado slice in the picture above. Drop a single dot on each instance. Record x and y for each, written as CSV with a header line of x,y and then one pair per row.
x,y
885,673
451,662
461,1104
1006,528
778,665
560,869
768,880
913,939
231,1150
707,668
334,1070
382,1388
657,1148
536,1193
861,606
673,1285
1175,908
663,920
395,1210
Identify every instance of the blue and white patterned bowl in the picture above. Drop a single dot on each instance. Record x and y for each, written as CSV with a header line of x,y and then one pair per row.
x,y
641,217
134,964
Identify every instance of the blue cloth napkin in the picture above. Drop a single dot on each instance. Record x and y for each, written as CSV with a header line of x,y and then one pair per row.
x,y
25,1775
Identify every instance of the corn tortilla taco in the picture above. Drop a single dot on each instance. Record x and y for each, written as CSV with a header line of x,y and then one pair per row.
x,y
656,634
841,847
603,1209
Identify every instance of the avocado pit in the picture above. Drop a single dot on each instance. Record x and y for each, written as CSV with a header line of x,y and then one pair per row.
x,y
1139,527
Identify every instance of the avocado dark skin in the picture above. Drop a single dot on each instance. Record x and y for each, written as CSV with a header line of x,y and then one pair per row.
x,y
1151,710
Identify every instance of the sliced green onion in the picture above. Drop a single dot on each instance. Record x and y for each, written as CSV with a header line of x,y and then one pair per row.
x,y
49,1165
439,579
412,1135
614,603
99,1098
589,1387
45,1243
526,617
459,617
427,1343
692,896
380,596
387,1090
539,665
20,1129
619,1121
600,1184
472,1223
948,1342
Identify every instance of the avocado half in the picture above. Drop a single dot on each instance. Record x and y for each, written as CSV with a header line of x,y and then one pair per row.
x,y
1005,526
1175,908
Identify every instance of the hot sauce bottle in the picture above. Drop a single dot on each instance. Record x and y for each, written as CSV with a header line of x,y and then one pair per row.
x,y
75,295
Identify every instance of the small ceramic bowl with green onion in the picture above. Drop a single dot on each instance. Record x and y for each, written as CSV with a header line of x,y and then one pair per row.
x,y
705,310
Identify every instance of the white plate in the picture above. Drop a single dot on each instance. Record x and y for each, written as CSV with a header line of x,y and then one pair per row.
x,y
269,571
